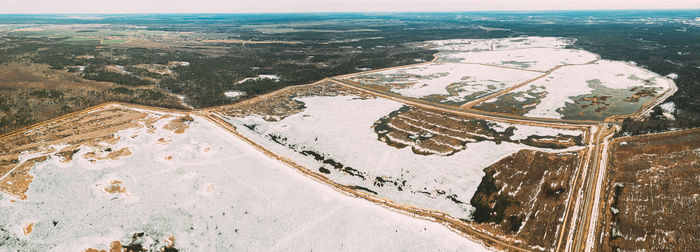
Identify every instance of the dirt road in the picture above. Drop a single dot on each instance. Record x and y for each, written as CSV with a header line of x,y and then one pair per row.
x,y
584,232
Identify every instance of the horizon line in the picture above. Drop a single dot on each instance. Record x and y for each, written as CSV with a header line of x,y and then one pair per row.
x,y
351,12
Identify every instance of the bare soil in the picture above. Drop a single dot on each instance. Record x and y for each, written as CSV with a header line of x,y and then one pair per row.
x,y
652,197
28,228
641,92
524,195
107,154
115,246
115,186
179,125
16,181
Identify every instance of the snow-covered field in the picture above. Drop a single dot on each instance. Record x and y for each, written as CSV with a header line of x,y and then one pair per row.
x,y
539,59
469,69
521,132
340,129
467,45
572,81
581,73
210,191
458,82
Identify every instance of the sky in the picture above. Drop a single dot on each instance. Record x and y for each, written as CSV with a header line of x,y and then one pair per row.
x,y
287,6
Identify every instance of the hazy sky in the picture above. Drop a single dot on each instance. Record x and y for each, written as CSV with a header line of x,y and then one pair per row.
x,y
257,6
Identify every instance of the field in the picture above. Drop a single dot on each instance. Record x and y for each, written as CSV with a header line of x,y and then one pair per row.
x,y
652,197
537,58
466,70
417,157
591,91
529,76
497,44
155,179
448,83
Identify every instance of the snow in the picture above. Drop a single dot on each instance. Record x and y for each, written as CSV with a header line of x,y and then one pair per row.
x,y
466,45
579,193
571,81
118,69
469,69
182,100
234,94
261,77
434,79
340,128
540,59
523,131
668,109
179,63
672,76
590,241
614,210
80,68
230,197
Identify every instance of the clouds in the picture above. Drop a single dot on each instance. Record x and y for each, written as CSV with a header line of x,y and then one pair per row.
x,y
259,6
